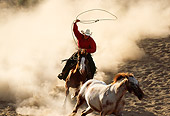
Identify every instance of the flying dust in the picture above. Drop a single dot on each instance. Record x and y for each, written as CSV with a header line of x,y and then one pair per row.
x,y
33,43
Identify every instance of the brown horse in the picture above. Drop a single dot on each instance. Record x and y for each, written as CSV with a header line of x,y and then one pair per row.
x,y
79,74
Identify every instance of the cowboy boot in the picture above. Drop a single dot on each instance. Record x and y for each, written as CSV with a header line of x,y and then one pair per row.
x,y
60,76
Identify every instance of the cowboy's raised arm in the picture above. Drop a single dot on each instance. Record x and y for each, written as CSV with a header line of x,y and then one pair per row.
x,y
76,31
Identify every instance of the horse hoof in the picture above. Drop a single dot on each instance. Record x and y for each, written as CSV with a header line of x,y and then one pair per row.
x,y
83,114
73,96
72,114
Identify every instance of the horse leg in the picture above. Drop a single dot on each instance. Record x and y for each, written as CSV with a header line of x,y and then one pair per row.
x,y
87,111
66,92
76,93
102,114
80,101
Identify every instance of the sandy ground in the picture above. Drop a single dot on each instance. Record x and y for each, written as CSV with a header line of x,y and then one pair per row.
x,y
153,73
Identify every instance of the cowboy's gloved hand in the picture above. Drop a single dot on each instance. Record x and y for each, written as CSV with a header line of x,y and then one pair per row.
x,y
77,20
84,50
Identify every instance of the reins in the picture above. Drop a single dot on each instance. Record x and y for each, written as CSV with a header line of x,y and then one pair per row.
x,y
73,58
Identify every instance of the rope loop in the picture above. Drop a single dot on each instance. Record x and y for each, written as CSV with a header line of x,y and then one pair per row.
x,y
94,21
91,21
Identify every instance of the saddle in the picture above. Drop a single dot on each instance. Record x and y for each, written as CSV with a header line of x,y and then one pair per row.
x,y
72,61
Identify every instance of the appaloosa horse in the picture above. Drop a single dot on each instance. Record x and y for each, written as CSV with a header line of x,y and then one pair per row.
x,y
78,74
107,99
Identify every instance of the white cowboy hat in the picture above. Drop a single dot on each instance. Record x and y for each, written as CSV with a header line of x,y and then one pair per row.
x,y
88,32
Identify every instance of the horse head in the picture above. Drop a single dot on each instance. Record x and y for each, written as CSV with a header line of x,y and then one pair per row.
x,y
133,86
82,62
131,83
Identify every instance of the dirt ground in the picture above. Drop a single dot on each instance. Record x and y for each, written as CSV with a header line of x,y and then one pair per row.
x,y
153,73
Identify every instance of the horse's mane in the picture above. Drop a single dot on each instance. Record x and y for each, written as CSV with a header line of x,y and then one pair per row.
x,y
120,76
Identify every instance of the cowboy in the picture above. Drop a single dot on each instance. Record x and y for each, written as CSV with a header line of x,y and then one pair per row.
x,y
87,44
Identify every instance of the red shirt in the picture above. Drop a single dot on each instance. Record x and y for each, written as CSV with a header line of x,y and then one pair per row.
x,y
88,44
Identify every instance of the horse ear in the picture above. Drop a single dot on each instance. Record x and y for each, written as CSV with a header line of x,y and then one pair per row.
x,y
79,52
127,77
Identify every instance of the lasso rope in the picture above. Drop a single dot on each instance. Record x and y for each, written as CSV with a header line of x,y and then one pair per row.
x,y
91,21
94,21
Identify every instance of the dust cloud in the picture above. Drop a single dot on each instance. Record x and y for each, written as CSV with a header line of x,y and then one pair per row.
x,y
33,43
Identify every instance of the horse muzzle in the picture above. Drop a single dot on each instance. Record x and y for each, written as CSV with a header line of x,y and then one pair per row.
x,y
137,91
